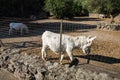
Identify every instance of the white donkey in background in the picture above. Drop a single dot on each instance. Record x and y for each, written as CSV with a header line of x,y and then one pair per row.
x,y
52,40
17,26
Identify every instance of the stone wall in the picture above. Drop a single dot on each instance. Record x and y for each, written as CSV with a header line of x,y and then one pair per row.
x,y
31,67
108,26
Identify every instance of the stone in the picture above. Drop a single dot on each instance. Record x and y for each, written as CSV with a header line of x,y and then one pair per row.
x,y
22,75
2,49
32,76
41,69
48,63
27,77
4,65
5,56
104,76
1,62
11,68
15,51
17,73
38,76
55,64
25,68
32,70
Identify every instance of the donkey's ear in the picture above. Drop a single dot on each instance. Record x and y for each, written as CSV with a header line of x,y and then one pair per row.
x,y
90,38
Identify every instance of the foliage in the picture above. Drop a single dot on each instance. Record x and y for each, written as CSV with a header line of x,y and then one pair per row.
x,y
108,7
102,6
65,8
92,5
20,8
84,12
112,7
68,9
77,7
60,8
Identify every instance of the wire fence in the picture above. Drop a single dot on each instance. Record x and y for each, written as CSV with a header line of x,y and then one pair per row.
x,y
36,29
33,38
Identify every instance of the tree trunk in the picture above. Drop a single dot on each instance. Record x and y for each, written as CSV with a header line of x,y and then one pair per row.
x,y
112,18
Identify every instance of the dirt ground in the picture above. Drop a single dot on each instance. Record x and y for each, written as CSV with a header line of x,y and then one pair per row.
x,y
105,50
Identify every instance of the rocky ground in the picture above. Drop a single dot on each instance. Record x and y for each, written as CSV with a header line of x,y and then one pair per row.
x,y
31,67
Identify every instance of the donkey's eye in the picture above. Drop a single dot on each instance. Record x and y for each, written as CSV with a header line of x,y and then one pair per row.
x,y
88,42
77,38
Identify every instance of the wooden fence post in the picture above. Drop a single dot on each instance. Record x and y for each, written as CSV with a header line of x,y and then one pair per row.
x,y
1,43
61,25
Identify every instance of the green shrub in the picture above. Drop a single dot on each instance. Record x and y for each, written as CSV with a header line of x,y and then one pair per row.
x,y
60,8
77,7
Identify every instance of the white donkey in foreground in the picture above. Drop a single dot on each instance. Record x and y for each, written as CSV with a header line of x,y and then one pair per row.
x,y
17,26
52,40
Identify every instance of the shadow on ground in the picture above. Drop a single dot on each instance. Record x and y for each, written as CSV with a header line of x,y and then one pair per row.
x,y
36,29
84,19
101,58
24,44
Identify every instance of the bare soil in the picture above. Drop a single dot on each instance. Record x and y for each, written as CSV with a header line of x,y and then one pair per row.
x,y
5,75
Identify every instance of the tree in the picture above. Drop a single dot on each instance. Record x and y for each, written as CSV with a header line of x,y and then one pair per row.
x,y
60,8
93,6
108,7
77,7
54,7
20,8
112,8
68,10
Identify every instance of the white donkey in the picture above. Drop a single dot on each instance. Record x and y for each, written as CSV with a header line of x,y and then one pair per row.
x,y
17,26
52,40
